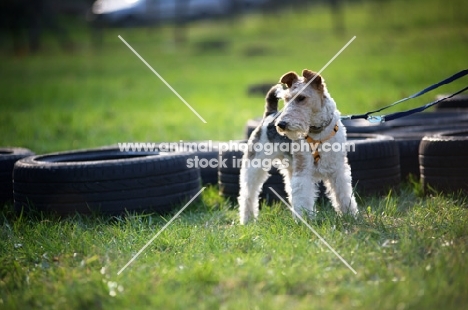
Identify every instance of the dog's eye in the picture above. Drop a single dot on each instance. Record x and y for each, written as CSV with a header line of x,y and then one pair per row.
x,y
300,98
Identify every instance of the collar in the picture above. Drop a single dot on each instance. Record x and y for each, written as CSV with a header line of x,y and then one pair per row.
x,y
315,129
315,143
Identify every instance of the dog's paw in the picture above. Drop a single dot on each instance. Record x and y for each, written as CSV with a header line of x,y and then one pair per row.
x,y
247,217
304,214
247,220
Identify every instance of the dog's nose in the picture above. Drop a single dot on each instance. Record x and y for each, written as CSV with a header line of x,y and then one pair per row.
x,y
282,124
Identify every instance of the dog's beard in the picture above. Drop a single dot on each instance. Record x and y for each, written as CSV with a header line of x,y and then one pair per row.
x,y
292,134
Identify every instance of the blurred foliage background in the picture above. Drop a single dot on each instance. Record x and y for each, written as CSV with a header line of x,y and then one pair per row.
x,y
68,81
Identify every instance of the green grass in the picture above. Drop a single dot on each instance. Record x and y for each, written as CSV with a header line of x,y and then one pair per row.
x,y
409,253
409,250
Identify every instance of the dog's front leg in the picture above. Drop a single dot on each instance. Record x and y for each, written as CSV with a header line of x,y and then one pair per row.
x,y
303,186
340,191
251,181
287,176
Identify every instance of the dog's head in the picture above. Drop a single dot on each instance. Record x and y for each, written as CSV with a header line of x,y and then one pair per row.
x,y
306,105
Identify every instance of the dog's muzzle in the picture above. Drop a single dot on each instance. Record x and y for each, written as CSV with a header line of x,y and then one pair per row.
x,y
282,125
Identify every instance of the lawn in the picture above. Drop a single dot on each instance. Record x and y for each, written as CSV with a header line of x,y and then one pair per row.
x,y
408,249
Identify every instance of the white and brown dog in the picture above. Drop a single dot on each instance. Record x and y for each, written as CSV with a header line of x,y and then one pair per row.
x,y
310,114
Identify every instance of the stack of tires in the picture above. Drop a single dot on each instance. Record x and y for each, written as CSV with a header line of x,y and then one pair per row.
x,y
410,130
443,161
443,156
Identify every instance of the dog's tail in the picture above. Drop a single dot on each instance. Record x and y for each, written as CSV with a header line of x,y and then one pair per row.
x,y
271,100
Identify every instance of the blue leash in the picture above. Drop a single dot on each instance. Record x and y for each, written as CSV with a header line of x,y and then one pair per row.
x,y
389,117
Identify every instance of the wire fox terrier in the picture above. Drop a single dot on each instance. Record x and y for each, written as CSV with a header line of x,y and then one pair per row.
x,y
310,114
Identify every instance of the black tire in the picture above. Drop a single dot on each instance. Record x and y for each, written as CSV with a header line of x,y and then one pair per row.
x,y
8,157
164,204
104,180
408,139
451,143
459,101
442,160
375,163
409,164
202,151
456,172
437,118
208,173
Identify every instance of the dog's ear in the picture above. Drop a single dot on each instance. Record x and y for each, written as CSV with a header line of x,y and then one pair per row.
x,y
289,78
309,75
